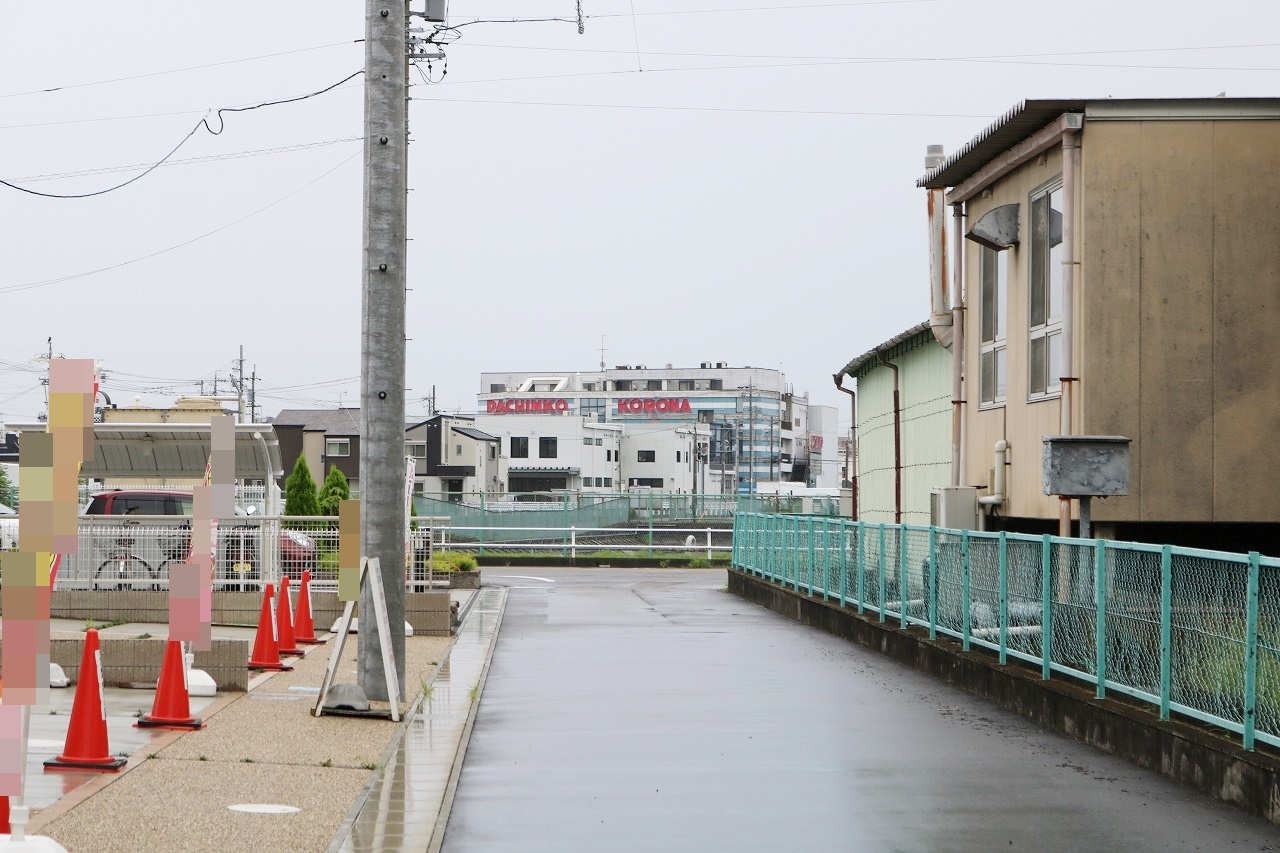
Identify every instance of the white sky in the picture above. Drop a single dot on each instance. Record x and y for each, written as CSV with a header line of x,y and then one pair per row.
x,y
748,197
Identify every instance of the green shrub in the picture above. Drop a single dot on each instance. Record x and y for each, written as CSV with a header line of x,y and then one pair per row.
x,y
452,561
699,563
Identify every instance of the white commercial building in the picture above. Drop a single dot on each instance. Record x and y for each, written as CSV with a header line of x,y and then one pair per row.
x,y
710,429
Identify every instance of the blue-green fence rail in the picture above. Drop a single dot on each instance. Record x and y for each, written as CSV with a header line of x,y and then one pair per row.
x,y
1190,631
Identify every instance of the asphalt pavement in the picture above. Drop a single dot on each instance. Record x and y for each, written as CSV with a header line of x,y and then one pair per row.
x,y
652,710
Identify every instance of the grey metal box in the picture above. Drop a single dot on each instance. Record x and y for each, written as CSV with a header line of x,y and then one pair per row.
x,y
1086,465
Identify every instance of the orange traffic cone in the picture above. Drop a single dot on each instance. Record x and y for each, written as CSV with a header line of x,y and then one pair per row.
x,y
284,622
304,626
172,707
86,747
266,654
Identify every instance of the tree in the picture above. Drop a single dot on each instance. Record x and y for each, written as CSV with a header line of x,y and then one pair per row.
x,y
300,491
335,489
7,492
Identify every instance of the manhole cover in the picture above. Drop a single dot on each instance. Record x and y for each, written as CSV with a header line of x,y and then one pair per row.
x,y
263,808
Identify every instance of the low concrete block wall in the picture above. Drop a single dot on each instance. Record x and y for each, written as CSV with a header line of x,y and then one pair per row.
x,y
128,661
1188,752
427,612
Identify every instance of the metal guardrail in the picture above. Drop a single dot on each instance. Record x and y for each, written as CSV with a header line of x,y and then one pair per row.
x,y
574,542
1186,630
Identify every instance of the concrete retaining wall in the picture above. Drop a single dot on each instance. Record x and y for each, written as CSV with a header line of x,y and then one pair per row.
x,y
130,661
1186,751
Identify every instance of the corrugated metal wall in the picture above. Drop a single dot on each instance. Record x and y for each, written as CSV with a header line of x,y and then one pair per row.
x,y
924,390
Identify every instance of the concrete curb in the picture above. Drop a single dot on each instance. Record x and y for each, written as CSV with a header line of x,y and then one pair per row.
x,y
459,758
1185,751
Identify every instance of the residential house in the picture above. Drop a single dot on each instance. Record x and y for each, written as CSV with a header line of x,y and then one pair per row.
x,y
1121,277
326,437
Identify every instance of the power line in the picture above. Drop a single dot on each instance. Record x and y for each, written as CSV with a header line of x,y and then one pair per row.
x,y
206,159
46,282
204,122
176,70
705,109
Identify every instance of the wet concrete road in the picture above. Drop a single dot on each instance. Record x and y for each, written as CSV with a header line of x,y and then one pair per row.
x,y
651,710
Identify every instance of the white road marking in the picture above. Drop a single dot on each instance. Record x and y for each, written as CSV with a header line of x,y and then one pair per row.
x,y
524,578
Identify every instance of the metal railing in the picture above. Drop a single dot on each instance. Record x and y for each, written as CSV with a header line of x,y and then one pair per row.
x,y
1186,630
137,553
574,542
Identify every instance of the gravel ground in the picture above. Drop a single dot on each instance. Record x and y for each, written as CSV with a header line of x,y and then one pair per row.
x,y
264,747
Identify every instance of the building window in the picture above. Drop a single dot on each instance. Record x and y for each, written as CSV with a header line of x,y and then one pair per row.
x,y
457,450
677,455
653,385
647,482
417,451
547,447
337,447
717,384
587,441
608,482
1046,293
588,386
994,302
622,385
608,456
519,447
646,456
497,388
688,384
493,451
592,407
599,442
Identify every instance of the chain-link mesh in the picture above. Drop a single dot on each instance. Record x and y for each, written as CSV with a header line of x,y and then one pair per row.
x,y
1177,625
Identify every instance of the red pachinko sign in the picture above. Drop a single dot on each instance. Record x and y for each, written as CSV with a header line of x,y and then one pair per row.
x,y
637,406
527,407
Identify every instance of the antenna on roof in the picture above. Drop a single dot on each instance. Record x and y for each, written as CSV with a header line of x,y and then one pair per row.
x,y
602,352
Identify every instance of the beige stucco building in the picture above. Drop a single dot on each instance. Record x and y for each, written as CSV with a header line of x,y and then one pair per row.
x,y
1123,266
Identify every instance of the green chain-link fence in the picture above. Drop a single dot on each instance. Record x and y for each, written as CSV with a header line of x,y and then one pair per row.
x,y
1191,631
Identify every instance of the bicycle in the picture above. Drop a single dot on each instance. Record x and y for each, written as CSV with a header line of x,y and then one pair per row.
x,y
124,568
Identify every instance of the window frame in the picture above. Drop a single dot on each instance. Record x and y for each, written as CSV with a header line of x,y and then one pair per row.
x,y
548,443
1044,288
993,327
337,442
522,443
646,456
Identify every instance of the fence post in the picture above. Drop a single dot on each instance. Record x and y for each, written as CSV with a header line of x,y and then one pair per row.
x,y
1251,651
708,544
862,564
902,576
1004,598
812,554
1100,610
1046,607
573,543
826,559
844,562
650,552
933,583
1166,629
881,561
964,590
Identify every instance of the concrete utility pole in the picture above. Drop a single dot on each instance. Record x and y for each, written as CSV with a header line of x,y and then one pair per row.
x,y
382,352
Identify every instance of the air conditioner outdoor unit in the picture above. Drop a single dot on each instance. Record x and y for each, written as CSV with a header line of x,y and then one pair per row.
x,y
954,507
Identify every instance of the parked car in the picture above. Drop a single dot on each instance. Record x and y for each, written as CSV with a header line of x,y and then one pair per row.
x,y
142,556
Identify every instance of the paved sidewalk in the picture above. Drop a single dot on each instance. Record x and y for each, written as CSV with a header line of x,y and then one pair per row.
x,y
260,748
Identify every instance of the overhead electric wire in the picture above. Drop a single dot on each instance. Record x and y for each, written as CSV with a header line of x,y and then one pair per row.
x,y
204,122
177,70
704,109
46,282
235,155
